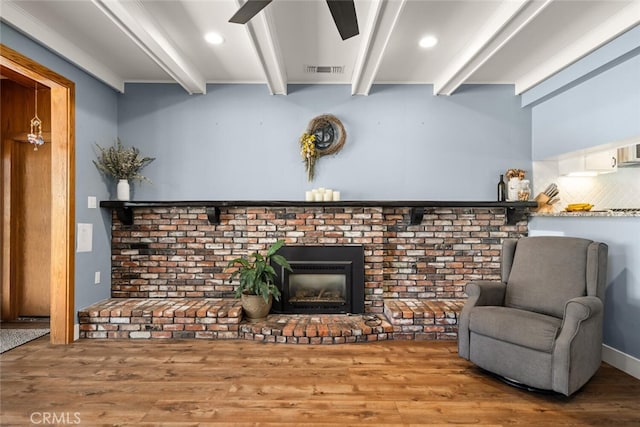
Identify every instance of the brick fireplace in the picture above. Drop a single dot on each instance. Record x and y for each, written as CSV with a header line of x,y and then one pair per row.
x,y
169,276
174,252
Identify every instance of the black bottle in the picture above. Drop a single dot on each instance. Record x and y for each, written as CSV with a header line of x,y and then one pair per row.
x,y
502,189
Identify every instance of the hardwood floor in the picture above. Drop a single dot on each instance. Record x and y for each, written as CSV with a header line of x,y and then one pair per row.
x,y
192,382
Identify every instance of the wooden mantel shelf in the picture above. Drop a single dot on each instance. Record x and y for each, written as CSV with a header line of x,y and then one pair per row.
x,y
516,211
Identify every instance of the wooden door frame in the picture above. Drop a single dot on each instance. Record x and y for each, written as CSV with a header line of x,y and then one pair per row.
x,y
62,189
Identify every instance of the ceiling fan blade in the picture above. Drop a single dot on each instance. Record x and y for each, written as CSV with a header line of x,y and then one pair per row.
x,y
248,11
344,15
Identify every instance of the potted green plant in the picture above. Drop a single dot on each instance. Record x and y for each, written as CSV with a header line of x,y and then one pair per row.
x,y
256,287
123,164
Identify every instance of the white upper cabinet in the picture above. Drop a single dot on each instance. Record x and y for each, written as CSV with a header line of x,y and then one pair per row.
x,y
602,161
589,163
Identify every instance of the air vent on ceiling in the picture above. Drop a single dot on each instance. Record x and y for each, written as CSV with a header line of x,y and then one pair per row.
x,y
324,69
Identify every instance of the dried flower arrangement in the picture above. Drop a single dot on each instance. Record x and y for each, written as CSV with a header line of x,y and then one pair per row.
x,y
309,153
122,163
515,173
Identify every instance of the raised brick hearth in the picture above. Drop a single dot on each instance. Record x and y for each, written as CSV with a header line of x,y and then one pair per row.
x,y
149,318
161,318
423,319
175,253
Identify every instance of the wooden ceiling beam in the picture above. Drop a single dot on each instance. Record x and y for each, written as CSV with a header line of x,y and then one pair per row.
x,y
263,38
624,20
134,21
42,33
381,22
510,18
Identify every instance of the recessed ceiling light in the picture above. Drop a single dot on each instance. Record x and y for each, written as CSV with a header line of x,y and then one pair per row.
x,y
428,41
214,38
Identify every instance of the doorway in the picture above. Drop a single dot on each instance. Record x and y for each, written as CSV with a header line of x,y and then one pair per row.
x,y
37,228
26,188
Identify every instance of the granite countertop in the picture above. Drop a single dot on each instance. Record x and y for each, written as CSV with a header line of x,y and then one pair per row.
x,y
595,213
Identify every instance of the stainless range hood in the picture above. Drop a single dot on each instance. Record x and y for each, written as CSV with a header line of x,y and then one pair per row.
x,y
629,156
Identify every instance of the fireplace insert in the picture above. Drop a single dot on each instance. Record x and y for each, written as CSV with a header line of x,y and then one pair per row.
x,y
325,279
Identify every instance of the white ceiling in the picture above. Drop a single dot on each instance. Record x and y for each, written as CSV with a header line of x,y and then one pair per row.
x,y
520,42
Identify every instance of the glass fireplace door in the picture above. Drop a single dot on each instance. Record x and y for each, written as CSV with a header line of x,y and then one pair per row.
x,y
317,287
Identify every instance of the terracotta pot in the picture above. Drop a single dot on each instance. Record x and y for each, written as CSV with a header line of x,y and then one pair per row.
x,y
254,306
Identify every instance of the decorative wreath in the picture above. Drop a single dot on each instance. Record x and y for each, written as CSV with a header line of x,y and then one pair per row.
x,y
325,135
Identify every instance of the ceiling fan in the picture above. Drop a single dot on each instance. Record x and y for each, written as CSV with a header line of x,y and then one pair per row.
x,y
343,12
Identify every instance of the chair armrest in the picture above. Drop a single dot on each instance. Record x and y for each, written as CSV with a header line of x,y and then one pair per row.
x,y
576,311
579,340
580,309
485,293
479,293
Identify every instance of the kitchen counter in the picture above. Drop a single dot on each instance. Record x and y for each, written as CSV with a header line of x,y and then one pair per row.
x,y
601,213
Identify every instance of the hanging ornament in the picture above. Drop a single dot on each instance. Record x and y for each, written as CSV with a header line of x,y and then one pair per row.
x,y
35,136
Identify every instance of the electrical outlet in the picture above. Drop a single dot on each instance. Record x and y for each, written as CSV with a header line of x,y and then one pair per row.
x,y
96,279
92,202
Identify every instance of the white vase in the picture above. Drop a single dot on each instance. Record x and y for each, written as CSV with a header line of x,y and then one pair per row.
x,y
123,190
513,186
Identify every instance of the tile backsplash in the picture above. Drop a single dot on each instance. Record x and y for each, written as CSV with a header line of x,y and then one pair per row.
x,y
620,189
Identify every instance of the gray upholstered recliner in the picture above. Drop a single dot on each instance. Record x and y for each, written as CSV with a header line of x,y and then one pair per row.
x,y
542,324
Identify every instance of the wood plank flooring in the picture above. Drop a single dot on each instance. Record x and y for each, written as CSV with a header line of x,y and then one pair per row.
x,y
192,382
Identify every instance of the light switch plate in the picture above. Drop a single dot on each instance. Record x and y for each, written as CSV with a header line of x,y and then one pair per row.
x,y
85,237
92,202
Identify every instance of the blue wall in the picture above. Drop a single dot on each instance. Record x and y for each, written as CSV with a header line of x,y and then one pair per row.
x,y
238,142
96,122
601,106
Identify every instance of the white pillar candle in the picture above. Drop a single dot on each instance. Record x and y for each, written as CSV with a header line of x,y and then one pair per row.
x,y
308,196
336,196
328,196
318,196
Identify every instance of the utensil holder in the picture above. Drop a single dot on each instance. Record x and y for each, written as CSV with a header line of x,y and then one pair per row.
x,y
543,206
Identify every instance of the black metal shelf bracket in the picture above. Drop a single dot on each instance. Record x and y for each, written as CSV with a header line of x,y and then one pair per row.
x,y
515,215
125,215
416,216
213,214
